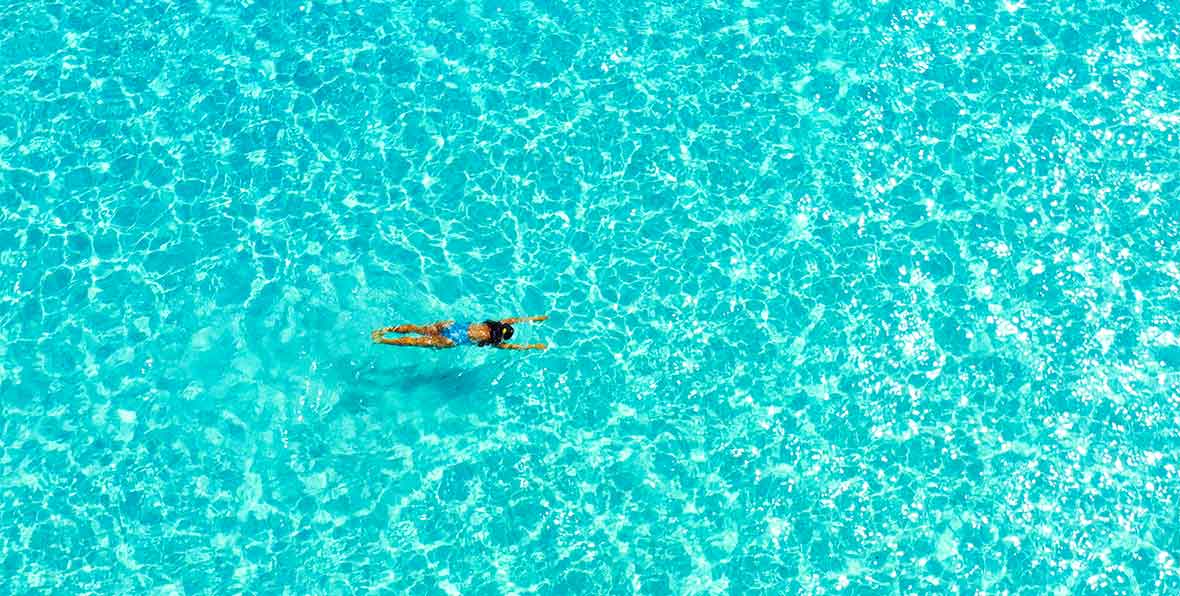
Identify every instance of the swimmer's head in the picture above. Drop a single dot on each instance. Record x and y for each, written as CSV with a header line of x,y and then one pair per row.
x,y
497,332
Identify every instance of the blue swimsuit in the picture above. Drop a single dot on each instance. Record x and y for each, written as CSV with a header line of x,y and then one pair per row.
x,y
457,333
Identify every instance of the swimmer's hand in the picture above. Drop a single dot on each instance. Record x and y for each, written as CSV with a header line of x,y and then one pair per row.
x,y
520,347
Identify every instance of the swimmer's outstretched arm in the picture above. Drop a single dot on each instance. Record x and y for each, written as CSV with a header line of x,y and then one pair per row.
x,y
524,319
520,346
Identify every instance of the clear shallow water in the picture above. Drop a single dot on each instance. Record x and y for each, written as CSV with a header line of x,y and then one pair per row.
x,y
874,299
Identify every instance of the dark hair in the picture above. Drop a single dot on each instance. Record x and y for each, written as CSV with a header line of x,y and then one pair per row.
x,y
498,332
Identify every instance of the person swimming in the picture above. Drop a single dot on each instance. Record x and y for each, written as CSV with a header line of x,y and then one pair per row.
x,y
451,334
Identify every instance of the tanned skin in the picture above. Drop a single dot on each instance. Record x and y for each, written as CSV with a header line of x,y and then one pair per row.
x,y
430,336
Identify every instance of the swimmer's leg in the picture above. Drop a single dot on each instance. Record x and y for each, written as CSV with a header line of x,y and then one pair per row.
x,y
428,341
431,329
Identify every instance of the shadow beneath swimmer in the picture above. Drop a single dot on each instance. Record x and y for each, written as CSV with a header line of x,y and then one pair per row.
x,y
444,386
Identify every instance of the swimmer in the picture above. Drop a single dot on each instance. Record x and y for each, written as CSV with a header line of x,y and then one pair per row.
x,y
449,334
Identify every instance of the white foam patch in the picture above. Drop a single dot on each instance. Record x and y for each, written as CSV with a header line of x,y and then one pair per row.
x,y
1141,33
1105,338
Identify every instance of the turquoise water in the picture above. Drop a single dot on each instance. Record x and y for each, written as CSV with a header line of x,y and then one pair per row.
x,y
846,298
